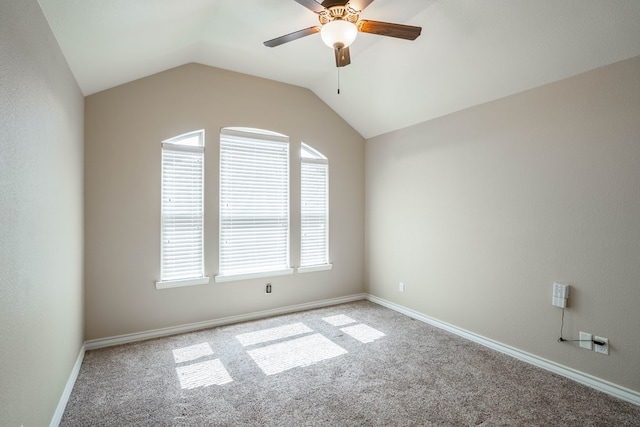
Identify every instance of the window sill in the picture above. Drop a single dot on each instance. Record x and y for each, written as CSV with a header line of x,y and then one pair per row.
x,y
313,268
232,277
180,283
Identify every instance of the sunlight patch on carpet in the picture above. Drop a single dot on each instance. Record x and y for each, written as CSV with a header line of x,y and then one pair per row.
x,y
304,351
339,320
363,333
203,374
193,352
266,335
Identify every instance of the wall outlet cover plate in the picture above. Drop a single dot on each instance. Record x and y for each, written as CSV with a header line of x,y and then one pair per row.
x,y
583,341
602,349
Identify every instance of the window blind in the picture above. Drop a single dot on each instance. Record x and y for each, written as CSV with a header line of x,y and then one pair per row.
x,y
314,225
182,207
254,203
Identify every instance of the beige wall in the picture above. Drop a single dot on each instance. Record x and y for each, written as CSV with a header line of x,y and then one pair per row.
x,y
41,229
479,212
124,128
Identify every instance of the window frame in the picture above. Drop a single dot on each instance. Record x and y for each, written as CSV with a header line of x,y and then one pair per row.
x,y
267,140
313,157
183,151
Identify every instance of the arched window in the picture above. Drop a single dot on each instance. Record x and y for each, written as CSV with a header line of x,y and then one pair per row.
x,y
254,204
314,210
182,211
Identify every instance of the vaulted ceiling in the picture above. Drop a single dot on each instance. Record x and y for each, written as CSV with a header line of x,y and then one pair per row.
x,y
470,51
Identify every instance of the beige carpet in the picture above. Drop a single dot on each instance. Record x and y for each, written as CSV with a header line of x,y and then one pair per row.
x,y
347,365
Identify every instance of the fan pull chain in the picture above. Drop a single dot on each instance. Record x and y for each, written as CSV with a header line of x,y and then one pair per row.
x,y
338,80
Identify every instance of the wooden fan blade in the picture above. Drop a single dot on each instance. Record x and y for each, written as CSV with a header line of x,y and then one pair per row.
x,y
400,31
312,5
330,3
292,36
359,5
343,58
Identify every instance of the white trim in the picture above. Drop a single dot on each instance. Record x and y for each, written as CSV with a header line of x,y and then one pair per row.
x,y
309,149
232,277
254,133
317,161
173,140
313,268
604,386
157,333
184,282
177,147
66,393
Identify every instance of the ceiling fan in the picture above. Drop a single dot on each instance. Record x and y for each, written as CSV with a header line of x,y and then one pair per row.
x,y
340,22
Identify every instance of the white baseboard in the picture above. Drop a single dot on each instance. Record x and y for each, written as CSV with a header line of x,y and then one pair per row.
x,y
581,377
157,333
66,393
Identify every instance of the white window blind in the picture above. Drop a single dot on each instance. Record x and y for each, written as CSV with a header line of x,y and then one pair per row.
x,y
182,208
254,204
314,211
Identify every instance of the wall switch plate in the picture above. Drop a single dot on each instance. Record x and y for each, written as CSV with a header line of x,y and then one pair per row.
x,y
583,340
602,349
401,287
560,295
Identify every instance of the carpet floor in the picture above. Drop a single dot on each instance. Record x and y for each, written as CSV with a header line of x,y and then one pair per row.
x,y
356,364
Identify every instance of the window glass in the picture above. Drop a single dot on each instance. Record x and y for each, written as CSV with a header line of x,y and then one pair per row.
x,y
254,203
314,209
182,207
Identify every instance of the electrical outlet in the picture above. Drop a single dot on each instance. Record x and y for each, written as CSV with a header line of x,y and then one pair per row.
x,y
268,288
585,340
604,348
401,287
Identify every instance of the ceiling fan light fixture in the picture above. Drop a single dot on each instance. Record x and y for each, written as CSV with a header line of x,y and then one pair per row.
x,y
338,33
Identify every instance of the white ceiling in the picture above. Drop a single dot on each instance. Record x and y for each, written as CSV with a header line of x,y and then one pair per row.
x,y
470,51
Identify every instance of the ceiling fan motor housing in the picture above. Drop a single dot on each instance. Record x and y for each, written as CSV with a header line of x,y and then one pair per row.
x,y
344,13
